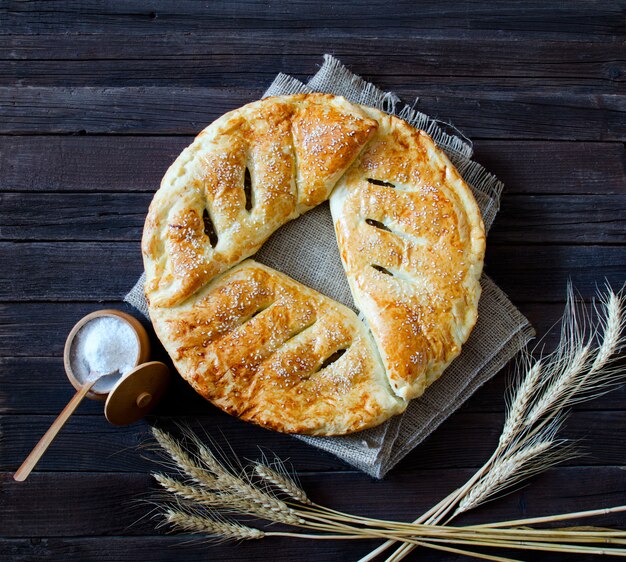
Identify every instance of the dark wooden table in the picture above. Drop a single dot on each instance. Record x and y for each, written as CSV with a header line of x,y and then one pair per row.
x,y
98,97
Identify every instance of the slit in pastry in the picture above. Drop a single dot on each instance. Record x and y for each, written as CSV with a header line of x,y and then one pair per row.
x,y
381,183
209,228
331,359
247,188
377,224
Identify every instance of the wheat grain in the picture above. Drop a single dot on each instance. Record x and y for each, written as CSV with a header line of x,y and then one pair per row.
x,y
183,460
188,492
502,474
248,498
200,524
282,482
263,501
514,421
613,323
240,504
565,379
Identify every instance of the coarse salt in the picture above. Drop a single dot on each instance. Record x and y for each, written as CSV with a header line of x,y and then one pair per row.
x,y
104,345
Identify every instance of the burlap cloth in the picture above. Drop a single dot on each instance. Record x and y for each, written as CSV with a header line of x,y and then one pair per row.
x,y
306,249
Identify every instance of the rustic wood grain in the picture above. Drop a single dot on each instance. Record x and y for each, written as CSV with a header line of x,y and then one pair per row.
x,y
592,21
580,219
221,58
89,443
88,500
96,100
508,113
136,164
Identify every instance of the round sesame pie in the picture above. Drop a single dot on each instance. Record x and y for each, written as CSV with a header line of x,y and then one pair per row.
x,y
270,350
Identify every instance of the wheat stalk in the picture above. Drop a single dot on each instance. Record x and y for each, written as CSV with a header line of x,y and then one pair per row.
x,y
191,517
576,371
182,459
236,503
233,491
503,474
519,405
580,368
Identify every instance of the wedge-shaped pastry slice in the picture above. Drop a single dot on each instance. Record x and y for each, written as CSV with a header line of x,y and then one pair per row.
x,y
412,242
269,350
245,175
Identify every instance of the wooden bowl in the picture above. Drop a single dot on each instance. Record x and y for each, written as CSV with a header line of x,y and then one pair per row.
x,y
143,345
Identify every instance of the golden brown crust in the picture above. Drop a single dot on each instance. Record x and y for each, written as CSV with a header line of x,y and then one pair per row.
x,y
256,343
412,242
290,150
326,137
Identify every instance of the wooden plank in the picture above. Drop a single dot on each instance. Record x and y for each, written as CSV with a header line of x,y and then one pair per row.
x,y
198,73
560,219
256,52
117,110
87,271
76,163
595,21
40,329
128,163
584,219
89,443
73,216
542,272
555,168
250,59
486,113
105,271
92,504
37,385
162,548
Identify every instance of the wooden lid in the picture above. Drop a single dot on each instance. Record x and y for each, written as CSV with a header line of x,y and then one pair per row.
x,y
137,393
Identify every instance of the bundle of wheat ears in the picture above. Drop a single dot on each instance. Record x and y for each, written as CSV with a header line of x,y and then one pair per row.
x,y
222,499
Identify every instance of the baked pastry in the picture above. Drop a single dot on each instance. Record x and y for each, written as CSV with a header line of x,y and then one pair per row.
x,y
249,172
262,346
412,241
267,349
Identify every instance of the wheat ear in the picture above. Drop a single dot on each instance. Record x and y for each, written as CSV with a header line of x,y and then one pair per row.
x,y
201,524
182,459
236,493
282,482
230,502
576,371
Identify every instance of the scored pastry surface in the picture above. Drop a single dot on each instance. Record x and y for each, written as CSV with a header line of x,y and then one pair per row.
x,y
267,349
262,346
412,241
249,172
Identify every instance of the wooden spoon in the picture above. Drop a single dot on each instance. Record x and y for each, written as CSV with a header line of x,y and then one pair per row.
x,y
33,458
